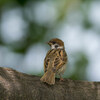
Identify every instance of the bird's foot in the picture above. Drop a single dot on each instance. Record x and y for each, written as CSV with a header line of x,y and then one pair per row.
x,y
61,79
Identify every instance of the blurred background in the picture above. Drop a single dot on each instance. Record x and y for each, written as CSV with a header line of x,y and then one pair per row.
x,y
26,26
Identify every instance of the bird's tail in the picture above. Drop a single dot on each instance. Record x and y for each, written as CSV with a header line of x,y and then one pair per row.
x,y
48,77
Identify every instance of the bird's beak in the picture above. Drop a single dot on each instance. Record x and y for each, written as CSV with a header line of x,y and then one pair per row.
x,y
48,43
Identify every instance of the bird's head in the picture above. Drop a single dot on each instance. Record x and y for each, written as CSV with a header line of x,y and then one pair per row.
x,y
56,43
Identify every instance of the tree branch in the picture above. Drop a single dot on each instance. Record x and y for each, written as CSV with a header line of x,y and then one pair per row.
x,y
19,86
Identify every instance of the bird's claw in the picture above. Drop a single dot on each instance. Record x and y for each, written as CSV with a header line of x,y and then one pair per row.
x,y
61,79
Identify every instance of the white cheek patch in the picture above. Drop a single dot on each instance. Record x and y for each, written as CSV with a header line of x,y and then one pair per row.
x,y
53,47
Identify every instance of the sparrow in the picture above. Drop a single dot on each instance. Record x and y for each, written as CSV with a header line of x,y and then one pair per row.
x,y
55,61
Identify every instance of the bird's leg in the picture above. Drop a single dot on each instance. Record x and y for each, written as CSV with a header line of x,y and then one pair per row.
x,y
61,79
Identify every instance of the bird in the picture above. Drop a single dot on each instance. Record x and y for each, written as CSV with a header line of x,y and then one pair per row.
x,y
55,61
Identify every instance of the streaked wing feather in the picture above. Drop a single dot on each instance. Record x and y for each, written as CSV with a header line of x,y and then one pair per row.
x,y
61,59
48,59
55,59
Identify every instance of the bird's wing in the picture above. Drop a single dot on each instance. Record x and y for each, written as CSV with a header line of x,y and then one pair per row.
x,y
49,59
55,59
60,59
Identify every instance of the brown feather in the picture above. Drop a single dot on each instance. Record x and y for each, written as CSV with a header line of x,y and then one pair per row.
x,y
58,41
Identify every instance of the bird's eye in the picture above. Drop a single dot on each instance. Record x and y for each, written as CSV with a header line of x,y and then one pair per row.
x,y
56,46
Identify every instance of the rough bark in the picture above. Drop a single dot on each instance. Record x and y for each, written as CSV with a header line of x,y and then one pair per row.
x,y
19,86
